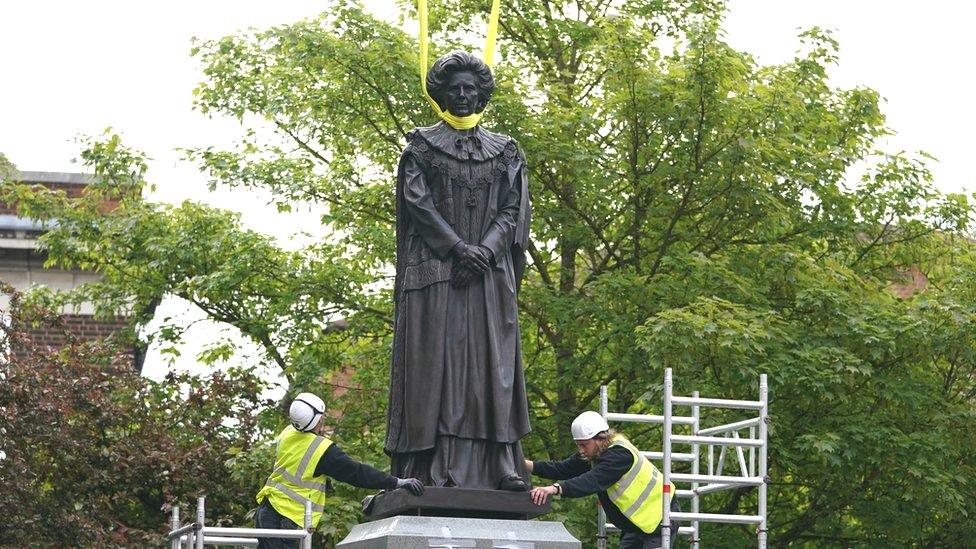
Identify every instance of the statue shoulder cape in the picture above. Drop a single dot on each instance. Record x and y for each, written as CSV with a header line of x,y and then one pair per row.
x,y
477,144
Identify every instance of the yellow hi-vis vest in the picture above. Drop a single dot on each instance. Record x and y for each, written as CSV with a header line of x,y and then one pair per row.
x,y
639,494
292,482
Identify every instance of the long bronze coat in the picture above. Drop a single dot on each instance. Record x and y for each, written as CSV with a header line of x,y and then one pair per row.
x,y
457,368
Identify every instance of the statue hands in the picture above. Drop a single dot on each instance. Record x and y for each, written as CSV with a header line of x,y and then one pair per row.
x,y
475,258
472,262
461,276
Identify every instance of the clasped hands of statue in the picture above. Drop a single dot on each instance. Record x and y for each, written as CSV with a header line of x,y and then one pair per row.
x,y
471,263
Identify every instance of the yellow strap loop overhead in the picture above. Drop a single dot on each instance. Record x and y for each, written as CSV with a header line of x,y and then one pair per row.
x,y
457,122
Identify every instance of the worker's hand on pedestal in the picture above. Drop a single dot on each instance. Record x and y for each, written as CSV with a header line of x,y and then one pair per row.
x,y
528,465
413,485
541,494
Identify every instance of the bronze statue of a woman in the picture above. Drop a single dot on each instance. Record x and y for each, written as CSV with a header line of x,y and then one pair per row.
x,y
458,407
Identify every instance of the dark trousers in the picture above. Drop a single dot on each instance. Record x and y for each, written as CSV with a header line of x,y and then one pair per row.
x,y
640,540
267,517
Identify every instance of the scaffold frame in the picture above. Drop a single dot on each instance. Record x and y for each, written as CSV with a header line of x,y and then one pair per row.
x,y
196,535
753,471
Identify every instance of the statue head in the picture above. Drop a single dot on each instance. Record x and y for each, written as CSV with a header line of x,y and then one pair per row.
x,y
460,83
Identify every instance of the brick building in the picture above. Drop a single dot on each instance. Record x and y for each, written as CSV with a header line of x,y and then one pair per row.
x,y
22,266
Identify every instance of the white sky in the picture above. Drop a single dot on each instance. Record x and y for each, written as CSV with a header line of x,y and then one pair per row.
x,y
76,67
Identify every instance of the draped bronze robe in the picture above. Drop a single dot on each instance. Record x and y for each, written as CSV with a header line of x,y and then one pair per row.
x,y
457,405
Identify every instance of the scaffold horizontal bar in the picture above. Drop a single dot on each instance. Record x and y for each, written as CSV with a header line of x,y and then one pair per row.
x,y
649,418
717,441
683,530
675,456
718,403
684,494
255,532
180,531
216,540
716,517
729,427
739,481
716,487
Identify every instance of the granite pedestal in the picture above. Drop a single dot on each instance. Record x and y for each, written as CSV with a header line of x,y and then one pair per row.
x,y
456,518
412,532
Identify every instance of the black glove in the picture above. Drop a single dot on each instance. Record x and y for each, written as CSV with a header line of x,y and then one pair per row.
x,y
413,485
476,258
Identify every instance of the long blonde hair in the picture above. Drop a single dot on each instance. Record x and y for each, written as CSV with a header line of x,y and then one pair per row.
x,y
605,443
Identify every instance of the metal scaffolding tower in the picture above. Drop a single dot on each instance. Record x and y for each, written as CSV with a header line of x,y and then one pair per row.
x,y
195,534
725,436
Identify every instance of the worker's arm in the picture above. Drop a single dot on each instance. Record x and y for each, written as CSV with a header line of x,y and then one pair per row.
x,y
570,467
336,464
612,465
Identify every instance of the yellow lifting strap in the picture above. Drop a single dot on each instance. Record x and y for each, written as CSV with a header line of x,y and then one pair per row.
x,y
458,122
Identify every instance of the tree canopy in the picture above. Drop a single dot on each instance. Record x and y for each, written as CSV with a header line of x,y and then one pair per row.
x,y
91,453
692,209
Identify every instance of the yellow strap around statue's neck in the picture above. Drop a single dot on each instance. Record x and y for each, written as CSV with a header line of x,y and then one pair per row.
x,y
457,122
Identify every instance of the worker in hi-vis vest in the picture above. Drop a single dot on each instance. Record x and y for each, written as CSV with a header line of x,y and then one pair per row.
x,y
302,460
630,487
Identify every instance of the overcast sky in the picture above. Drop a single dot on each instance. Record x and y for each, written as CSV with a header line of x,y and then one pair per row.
x,y
76,67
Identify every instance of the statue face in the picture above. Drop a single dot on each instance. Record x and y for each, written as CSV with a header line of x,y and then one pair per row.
x,y
461,94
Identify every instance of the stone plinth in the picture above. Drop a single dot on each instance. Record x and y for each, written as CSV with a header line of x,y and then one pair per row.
x,y
413,532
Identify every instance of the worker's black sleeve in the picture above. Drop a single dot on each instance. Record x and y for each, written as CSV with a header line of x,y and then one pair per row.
x,y
608,469
573,466
336,464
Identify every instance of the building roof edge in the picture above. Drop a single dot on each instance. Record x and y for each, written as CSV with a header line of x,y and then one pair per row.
x,y
69,178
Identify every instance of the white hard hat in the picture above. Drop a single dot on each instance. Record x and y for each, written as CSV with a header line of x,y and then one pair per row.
x,y
588,425
306,411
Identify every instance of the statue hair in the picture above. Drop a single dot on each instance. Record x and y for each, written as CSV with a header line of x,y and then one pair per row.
x,y
460,61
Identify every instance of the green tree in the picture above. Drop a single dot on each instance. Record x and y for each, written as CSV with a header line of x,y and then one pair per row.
x,y
692,209
7,169
92,455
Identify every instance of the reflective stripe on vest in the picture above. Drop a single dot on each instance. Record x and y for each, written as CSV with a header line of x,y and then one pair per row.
x,y
316,507
299,482
639,494
293,481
